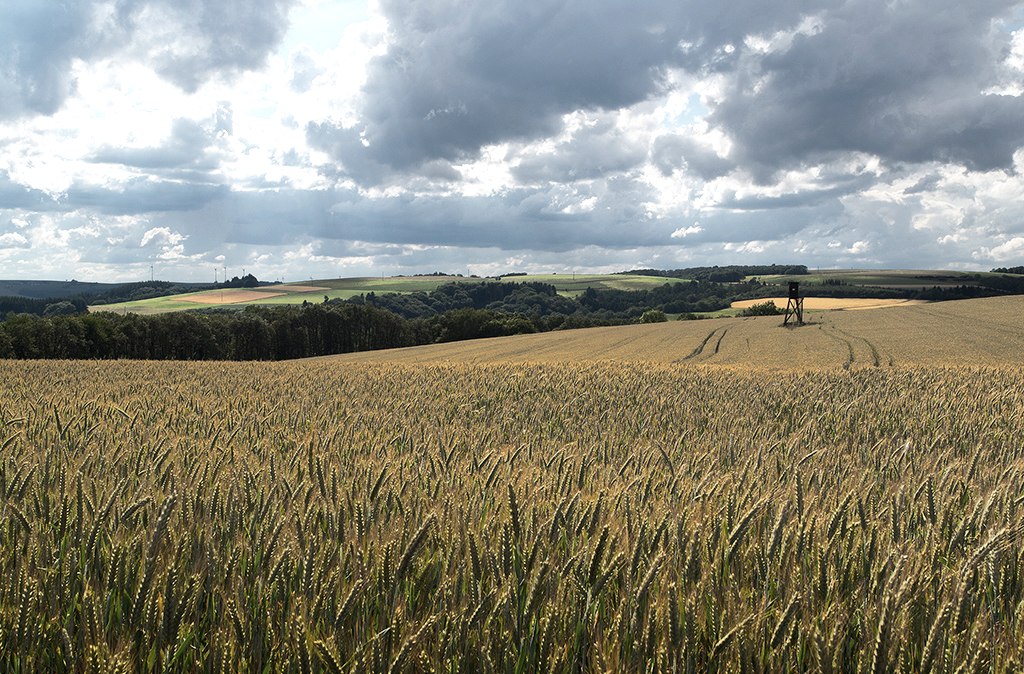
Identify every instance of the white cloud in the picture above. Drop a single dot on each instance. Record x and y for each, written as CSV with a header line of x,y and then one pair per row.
x,y
13,239
406,136
1012,249
162,235
746,247
950,239
684,232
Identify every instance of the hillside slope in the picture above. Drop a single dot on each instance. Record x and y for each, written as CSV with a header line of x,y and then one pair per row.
x,y
315,291
968,332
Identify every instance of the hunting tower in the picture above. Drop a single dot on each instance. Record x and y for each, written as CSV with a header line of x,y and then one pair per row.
x,y
795,305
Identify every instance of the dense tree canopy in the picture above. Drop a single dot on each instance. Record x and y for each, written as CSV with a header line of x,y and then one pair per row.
x,y
452,312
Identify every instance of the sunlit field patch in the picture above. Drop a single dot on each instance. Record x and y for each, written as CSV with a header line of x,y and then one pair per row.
x,y
831,303
230,296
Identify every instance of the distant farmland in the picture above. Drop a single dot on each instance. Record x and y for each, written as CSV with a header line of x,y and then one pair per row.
x,y
829,303
346,288
883,278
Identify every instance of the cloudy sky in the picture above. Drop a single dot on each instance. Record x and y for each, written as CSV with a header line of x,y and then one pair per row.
x,y
323,138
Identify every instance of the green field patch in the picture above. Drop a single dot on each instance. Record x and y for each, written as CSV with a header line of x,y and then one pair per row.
x,y
883,278
297,292
393,284
572,285
311,297
156,305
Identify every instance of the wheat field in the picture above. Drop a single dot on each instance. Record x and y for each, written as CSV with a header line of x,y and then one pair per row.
x,y
327,516
967,332
830,303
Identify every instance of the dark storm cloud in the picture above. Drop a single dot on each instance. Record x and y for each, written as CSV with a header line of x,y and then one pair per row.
x,y
517,219
186,41
925,184
187,147
141,195
13,195
221,36
425,232
38,40
901,80
741,226
808,197
463,224
592,152
671,152
347,147
478,222
523,219
458,76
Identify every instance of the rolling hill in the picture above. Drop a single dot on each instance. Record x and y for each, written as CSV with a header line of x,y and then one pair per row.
x,y
315,291
967,332
884,278
64,289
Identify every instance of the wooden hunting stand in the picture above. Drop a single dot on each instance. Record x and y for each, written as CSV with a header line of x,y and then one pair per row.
x,y
795,305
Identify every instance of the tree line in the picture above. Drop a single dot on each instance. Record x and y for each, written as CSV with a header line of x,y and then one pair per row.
x,y
72,303
725,274
254,333
536,300
452,312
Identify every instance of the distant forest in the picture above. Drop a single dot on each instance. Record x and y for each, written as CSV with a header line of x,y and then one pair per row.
x,y
725,274
74,301
452,312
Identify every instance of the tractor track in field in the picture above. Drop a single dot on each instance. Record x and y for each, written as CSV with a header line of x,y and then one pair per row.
x,y
700,347
851,357
720,338
876,359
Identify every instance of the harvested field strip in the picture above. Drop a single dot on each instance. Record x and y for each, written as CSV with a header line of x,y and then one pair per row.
x,y
828,303
229,296
301,288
